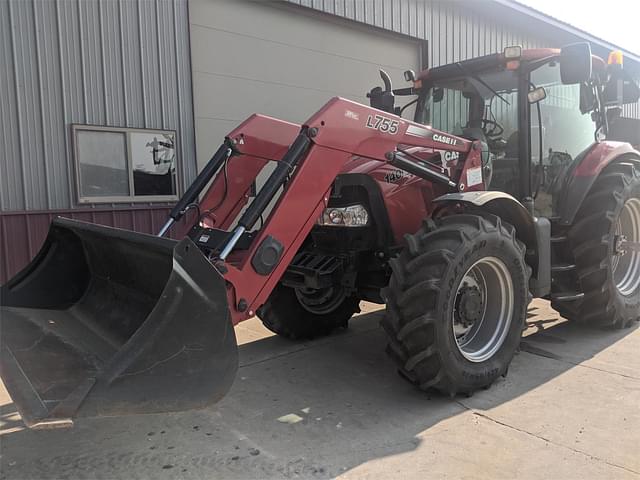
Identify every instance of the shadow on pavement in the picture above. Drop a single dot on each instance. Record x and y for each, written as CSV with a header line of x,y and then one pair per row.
x,y
351,405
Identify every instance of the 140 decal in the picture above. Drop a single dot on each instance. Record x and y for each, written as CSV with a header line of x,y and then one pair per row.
x,y
384,124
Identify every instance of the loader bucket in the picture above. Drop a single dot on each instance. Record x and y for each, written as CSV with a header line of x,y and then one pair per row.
x,y
111,322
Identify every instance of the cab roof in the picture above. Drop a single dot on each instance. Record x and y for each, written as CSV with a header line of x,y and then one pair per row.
x,y
494,61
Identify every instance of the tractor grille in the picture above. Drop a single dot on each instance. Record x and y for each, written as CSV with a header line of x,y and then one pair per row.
x,y
313,270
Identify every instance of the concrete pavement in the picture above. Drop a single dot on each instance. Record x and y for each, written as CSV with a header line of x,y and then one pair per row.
x,y
569,408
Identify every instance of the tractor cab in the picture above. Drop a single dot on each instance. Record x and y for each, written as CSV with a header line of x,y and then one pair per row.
x,y
535,111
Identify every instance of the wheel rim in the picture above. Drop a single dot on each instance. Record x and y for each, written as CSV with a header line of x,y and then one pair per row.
x,y
483,309
320,301
626,264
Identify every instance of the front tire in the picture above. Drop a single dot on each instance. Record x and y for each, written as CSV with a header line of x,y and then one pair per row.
x,y
299,315
457,303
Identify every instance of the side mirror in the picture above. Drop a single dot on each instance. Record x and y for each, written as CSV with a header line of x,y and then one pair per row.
x,y
575,63
537,95
587,99
410,75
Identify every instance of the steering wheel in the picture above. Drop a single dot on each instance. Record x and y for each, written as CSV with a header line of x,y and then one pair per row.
x,y
495,131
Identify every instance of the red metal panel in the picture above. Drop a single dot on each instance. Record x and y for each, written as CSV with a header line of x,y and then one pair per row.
x,y
103,218
38,228
123,220
4,250
340,131
367,132
22,233
143,222
16,248
297,211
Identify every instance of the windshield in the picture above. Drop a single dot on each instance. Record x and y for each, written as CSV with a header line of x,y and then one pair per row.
x,y
485,106
482,106
485,101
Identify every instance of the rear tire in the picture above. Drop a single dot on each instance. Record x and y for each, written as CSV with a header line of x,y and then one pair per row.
x,y
285,315
433,303
610,282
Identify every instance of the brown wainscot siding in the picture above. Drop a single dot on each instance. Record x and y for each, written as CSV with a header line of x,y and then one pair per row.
x,y
23,232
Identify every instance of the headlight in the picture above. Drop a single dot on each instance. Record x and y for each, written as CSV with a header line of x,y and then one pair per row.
x,y
351,216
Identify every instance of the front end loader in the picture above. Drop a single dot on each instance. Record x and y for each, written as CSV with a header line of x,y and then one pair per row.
x,y
454,220
110,322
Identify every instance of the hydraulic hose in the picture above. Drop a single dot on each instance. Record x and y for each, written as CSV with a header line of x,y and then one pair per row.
x,y
201,181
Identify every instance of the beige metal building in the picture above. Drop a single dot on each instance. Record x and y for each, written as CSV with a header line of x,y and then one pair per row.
x,y
109,107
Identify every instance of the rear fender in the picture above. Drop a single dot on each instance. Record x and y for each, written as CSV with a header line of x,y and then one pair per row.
x,y
584,173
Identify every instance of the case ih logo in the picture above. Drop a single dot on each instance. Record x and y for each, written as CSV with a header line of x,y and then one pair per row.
x,y
450,156
442,139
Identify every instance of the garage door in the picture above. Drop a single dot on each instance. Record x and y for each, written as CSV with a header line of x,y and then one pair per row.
x,y
285,62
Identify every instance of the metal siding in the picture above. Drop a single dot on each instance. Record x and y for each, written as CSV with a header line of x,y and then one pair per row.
x,y
11,176
113,63
122,63
184,93
27,92
631,110
131,62
453,31
127,63
22,233
149,48
52,104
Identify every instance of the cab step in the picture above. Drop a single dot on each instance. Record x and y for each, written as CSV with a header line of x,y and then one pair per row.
x,y
567,296
563,267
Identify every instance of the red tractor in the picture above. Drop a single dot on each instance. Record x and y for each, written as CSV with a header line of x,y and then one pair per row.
x,y
502,188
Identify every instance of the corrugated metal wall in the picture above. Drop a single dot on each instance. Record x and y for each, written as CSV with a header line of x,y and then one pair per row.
x,y
455,29
123,63
631,111
22,233
453,33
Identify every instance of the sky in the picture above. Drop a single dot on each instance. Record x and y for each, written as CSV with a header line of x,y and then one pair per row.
x,y
616,21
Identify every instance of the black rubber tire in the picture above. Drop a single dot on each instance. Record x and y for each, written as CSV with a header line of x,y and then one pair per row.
x,y
283,315
592,242
422,291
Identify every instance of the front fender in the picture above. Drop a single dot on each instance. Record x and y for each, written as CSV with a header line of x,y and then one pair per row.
x,y
585,171
503,205
535,233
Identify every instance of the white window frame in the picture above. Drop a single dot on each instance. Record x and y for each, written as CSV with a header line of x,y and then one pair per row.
x,y
131,198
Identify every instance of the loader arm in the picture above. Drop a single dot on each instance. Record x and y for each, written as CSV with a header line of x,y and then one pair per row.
x,y
338,132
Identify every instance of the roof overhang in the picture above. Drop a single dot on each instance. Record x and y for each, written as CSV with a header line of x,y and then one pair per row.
x,y
601,47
